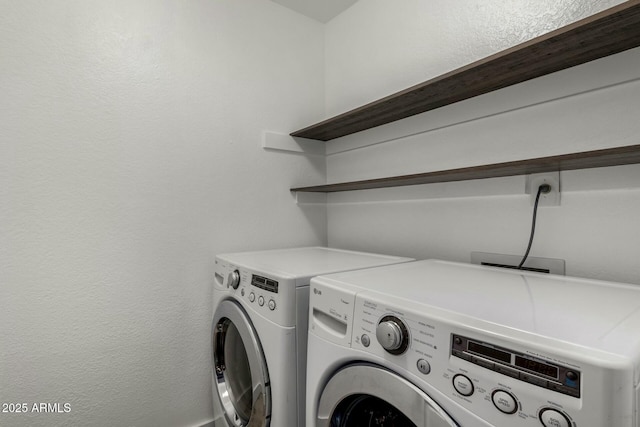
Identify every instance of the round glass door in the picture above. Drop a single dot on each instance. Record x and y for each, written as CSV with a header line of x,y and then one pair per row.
x,y
364,395
366,410
240,372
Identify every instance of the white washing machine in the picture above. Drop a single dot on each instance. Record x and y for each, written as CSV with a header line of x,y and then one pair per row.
x,y
435,344
259,331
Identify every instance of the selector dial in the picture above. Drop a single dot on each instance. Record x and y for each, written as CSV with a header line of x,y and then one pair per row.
x,y
392,334
234,279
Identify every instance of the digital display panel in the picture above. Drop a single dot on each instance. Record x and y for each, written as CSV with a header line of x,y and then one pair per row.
x,y
538,367
491,352
264,283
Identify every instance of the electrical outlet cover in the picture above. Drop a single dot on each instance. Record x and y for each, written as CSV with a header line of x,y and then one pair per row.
x,y
534,181
551,265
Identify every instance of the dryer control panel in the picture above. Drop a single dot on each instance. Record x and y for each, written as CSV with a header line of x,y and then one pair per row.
x,y
271,297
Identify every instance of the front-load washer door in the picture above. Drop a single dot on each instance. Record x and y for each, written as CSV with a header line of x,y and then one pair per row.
x,y
240,375
367,395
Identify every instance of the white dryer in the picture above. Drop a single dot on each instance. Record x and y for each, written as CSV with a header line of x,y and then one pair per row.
x,y
439,344
259,331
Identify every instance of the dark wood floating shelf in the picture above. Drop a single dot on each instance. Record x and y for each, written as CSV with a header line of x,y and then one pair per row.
x,y
611,31
583,160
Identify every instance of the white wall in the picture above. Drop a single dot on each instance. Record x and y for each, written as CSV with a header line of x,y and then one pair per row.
x,y
378,47
130,155
588,107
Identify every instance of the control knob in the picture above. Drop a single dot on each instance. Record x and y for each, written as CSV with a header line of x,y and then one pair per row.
x,y
234,279
392,335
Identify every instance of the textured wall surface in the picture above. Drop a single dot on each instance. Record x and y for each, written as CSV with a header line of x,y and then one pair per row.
x,y
375,49
378,47
130,154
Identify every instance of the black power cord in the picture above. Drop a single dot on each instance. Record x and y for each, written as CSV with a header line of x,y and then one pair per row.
x,y
544,188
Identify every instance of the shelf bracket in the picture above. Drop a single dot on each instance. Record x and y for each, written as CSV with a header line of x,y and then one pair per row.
x,y
310,198
283,142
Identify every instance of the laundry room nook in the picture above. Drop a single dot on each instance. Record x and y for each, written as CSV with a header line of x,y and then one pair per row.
x,y
305,213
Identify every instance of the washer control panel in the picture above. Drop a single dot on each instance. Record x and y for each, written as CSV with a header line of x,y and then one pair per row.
x,y
501,383
269,285
491,347
524,367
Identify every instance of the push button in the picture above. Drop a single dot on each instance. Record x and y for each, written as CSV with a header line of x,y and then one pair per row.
x,y
463,385
507,371
423,366
533,379
552,418
272,305
504,401
482,362
365,340
252,297
260,301
462,355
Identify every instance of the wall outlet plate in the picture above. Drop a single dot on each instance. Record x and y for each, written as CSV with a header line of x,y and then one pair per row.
x,y
542,265
534,181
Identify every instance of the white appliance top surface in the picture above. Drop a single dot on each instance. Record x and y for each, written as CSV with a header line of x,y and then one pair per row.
x,y
308,262
586,312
